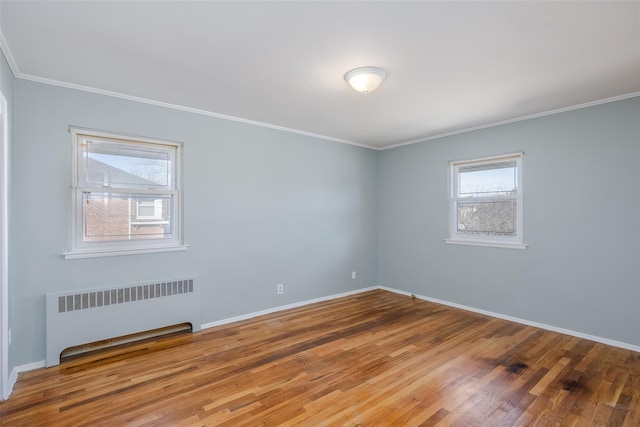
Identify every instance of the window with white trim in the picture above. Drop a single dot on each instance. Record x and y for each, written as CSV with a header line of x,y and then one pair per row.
x,y
126,195
486,202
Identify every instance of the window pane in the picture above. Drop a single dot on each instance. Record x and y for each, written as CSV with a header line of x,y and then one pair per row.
x,y
491,218
115,217
488,180
146,209
150,207
113,164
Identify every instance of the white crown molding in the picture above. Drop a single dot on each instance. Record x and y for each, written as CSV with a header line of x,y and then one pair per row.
x,y
19,75
186,109
4,46
16,72
514,120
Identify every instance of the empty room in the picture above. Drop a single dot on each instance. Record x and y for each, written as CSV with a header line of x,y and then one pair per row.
x,y
319,213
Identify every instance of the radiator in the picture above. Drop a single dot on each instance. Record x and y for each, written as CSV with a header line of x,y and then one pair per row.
x,y
84,316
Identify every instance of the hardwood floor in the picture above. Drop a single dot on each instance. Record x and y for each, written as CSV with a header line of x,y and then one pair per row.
x,y
374,359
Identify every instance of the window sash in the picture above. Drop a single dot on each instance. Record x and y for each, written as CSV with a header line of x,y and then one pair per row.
x,y
503,221
493,185
112,217
506,225
113,163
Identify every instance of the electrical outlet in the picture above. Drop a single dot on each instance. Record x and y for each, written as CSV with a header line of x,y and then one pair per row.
x,y
353,274
280,289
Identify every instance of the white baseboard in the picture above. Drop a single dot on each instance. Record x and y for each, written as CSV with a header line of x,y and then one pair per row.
x,y
551,328
283,307
13,377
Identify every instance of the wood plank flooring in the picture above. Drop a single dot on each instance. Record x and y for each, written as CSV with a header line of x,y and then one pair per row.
x,y
374,359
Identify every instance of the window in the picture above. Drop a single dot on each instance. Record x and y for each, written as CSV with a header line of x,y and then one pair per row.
x,y
486,202
126,195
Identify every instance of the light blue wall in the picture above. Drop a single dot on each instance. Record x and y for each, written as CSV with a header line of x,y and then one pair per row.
x,y
264,207
581,219
261,207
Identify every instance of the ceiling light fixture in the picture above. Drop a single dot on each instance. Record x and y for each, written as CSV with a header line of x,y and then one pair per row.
x,y
365,79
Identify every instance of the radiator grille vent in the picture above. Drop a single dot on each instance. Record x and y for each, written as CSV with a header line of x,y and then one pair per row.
x,y
123,295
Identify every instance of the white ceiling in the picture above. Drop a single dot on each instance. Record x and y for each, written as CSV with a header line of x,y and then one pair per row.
x,y
450,66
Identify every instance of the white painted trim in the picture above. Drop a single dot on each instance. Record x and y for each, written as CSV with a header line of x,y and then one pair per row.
x,y
488,244
13,378
544,326
4,250
79,254
310,134
489,159
186,109
16,72
516,119
551,328
4,46
283,307
41,364
117,136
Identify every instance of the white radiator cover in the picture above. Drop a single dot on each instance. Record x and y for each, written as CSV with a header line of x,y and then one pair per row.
x,y
84,316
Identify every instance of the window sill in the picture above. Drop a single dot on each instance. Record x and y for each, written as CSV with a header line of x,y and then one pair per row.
x,y
505,245
120,252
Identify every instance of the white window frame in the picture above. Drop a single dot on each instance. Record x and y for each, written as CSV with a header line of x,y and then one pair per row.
x,y
84,249
459,238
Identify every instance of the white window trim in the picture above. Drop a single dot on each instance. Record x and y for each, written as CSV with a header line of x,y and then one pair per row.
x,y
81,249
486,244
121,252
507,242
5,386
